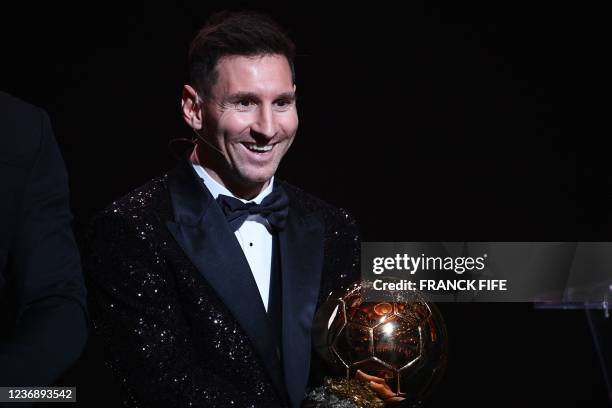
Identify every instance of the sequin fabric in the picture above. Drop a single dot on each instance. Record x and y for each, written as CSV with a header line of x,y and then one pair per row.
x,y
168,338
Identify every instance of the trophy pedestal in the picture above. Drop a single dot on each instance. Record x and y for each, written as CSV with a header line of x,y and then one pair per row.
x,y
343,393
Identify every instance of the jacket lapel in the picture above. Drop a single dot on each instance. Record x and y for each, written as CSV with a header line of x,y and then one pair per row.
x,y
301,251
202,232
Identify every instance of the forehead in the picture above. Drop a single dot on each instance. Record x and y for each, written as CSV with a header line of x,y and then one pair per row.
x,y
262,74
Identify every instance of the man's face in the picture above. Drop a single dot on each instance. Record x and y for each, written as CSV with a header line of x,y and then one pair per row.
x,y
251,116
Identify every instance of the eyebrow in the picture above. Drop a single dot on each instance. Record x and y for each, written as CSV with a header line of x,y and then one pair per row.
x,y
250,95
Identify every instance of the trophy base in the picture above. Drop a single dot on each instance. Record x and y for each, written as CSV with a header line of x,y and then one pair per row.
x,y
343,393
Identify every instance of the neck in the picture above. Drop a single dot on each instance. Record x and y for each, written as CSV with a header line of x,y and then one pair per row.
x,y
241,190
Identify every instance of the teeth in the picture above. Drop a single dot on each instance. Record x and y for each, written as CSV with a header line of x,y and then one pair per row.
x,y
259,149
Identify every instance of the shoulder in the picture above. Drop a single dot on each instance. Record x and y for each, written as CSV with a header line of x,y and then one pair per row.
x,y
127,231
23,127
333,218
13,107
143,204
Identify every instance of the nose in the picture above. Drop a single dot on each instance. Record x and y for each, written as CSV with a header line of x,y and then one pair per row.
x,y
265,124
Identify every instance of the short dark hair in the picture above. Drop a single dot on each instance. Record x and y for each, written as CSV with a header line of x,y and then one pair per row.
x,y
241,33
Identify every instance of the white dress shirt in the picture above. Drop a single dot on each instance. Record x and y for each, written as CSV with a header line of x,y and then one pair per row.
x,y
253,235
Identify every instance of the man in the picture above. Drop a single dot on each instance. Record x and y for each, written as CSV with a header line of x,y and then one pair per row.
x,y
205,281
43,325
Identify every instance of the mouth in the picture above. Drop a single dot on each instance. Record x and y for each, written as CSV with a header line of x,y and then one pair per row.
x,y
259,149
258,154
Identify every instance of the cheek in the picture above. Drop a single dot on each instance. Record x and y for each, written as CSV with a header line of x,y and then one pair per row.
x,y
234,124
289,123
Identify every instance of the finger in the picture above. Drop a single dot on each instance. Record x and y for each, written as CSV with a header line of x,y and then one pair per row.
x,y
360,375
393,400
382,390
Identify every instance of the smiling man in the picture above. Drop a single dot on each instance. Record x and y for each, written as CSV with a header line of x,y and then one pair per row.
x,y
204,282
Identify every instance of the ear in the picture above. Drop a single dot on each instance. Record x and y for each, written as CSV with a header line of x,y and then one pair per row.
x,y
191,107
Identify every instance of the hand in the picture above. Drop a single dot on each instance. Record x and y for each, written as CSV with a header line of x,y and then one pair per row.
x,y
380,387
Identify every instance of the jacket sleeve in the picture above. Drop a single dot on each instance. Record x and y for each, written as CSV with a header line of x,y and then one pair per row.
x,y
50,327
136,311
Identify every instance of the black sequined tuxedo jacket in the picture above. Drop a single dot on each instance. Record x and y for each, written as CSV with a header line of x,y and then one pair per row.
x,y
177,307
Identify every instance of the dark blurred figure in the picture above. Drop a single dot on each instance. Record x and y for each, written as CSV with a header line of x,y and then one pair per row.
x,y
43,324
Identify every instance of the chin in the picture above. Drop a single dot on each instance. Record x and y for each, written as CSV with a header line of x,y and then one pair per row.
x,y
254,179
257,177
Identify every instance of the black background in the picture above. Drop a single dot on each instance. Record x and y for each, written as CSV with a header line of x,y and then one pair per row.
x,y
433,121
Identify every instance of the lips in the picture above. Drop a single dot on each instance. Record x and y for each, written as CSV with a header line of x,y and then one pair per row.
x,y
257,153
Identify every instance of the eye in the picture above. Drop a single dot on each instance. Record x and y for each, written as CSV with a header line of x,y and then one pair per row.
x,y
283,103
245,103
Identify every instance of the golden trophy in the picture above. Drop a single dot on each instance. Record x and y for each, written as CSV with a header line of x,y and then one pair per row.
x,y
397,337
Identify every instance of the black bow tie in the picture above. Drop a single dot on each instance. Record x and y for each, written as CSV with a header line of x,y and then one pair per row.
x,y
274,208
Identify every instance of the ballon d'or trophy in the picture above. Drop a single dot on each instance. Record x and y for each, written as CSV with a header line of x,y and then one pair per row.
x,y
398,337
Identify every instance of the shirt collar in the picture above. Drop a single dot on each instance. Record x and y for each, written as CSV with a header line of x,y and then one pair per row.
x,y
217,188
